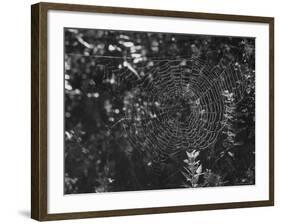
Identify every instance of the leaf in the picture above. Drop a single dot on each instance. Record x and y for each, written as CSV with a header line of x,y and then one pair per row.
x,y
196,154
239,143
186,176
130,67
189,154
187,170
231,154
199,170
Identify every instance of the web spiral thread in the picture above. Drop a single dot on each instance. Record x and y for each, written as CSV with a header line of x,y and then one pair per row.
x,y
177,104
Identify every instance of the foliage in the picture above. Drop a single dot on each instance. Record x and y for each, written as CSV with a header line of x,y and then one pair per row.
x,y
98,154
192,169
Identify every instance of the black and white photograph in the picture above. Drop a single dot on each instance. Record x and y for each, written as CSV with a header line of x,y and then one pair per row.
x,y
155,111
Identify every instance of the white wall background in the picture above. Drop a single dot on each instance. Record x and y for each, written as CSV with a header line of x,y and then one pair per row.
x,y
15,111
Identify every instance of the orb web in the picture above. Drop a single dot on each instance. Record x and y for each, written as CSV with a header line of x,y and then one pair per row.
x,y
177,105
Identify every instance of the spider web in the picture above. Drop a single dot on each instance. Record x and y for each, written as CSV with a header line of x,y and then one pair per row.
x,y
177,105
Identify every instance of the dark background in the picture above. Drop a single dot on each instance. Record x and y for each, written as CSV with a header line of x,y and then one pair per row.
x,y
99,160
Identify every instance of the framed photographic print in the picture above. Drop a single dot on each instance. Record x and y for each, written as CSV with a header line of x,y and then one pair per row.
x,y
138,111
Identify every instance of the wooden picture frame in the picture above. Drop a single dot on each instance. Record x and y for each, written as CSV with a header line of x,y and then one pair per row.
x,y
39,109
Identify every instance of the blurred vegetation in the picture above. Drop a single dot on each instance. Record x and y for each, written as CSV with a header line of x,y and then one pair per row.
x,y
99,160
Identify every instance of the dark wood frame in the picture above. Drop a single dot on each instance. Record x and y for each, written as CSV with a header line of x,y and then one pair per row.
x,y
39,110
